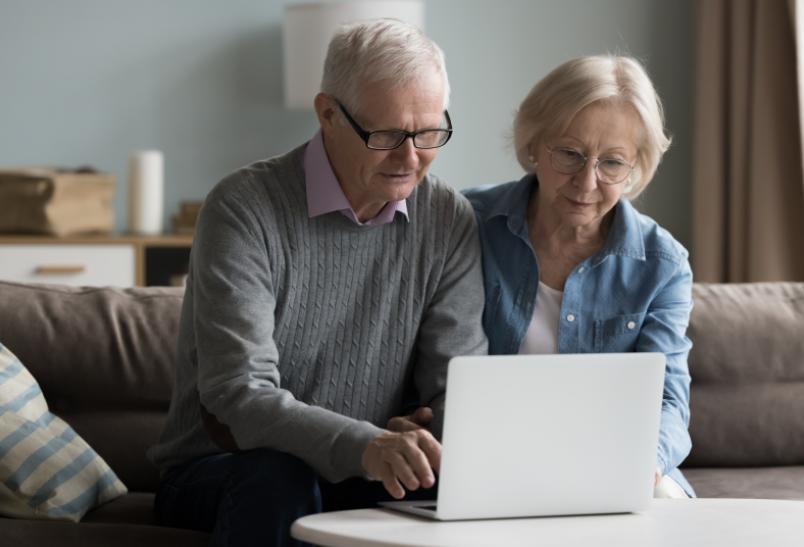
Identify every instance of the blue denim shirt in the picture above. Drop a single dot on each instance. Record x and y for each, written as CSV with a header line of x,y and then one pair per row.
x,y
634,294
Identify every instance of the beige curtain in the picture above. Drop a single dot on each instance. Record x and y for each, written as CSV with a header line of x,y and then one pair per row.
x,y
748,170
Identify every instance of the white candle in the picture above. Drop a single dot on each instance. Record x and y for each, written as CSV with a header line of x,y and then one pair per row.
x,y
146,182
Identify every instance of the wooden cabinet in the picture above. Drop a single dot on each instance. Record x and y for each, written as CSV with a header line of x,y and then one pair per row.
x,y
120,261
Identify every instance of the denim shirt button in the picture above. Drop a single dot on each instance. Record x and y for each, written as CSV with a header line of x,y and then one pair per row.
x,y
631,325
581,269
570,317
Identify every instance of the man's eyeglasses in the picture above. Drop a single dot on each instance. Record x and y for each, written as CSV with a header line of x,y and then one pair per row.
x,y
388,139
608,170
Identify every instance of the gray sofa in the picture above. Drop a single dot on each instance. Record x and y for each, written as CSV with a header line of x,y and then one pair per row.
x,y
747,395
104,359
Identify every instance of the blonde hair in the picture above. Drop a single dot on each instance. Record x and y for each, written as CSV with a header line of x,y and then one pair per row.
x,y
376,50
549,108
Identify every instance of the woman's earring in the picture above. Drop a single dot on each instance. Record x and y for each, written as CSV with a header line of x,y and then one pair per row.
x,y
533,161
629,184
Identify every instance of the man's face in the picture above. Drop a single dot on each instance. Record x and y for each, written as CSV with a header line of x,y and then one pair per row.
x,y
372,178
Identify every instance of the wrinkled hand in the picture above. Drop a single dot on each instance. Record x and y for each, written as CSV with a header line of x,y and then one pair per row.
x,y
403,460
418,420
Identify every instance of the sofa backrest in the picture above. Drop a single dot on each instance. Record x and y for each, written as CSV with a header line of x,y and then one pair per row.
x,y
105,361
747,368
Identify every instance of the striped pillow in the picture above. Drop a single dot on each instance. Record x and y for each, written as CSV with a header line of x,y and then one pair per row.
x,y
46,470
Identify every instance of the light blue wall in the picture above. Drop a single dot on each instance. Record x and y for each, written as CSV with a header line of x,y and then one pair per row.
x,y
88,81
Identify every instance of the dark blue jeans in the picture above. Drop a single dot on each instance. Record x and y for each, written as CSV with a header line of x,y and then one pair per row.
x,y
252,497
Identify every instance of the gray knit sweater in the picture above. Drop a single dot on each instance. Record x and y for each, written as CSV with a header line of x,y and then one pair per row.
x,y
302,334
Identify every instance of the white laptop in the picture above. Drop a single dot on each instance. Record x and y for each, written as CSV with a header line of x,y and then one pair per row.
x,y
540,435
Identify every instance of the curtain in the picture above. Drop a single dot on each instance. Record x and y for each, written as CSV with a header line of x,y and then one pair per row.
x,y
748,166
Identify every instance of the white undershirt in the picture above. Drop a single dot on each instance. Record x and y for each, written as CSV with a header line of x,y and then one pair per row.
x,y
542,333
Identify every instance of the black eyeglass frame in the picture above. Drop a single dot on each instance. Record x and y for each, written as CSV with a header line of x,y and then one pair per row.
x,y
366,135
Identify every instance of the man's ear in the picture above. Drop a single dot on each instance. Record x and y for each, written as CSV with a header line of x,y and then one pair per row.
x,y
325,110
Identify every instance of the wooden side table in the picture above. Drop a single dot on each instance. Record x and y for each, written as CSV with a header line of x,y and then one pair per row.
x,y
116,260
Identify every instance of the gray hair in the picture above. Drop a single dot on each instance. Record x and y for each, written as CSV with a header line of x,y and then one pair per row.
x,y
375,50
549,108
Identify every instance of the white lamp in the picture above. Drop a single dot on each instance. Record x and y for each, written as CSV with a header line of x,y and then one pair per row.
x,y
308,29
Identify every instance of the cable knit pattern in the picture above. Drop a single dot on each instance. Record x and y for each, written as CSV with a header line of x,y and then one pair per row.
x,y
302,334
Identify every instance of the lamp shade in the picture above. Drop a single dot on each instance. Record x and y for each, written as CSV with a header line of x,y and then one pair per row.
x,y
308,29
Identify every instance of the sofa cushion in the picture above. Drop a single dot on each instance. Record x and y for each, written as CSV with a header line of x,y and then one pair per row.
x,y
747,368
31,533
748,482
112,375
134,508
46,469
135,430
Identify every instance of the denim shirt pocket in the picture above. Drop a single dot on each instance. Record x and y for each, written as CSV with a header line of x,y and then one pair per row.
x,y
617,334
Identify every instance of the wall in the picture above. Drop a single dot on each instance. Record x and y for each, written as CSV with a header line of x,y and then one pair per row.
x,y
88,81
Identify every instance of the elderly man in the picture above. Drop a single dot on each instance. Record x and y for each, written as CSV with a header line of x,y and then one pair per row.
x,y
328,289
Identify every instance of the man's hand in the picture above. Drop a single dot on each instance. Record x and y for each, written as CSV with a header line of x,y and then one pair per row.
x,y
418,420
403,460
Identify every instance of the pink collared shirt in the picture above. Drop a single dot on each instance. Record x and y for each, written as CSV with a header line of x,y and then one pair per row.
x,y
324,193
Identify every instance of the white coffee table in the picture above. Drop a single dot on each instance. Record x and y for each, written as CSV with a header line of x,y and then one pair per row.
x,y
669,523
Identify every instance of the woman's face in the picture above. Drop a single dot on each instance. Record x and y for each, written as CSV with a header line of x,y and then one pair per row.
x,y
602,132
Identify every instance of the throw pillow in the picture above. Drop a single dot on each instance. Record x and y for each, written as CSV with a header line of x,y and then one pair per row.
x,y
46,469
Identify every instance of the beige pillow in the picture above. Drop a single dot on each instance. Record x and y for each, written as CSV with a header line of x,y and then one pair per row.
x,y
46,470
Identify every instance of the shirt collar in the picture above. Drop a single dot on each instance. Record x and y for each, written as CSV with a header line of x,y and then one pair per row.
x,y
324,192
513,206
625,236
514,202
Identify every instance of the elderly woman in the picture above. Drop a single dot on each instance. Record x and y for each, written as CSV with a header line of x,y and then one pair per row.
x,y
570,265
